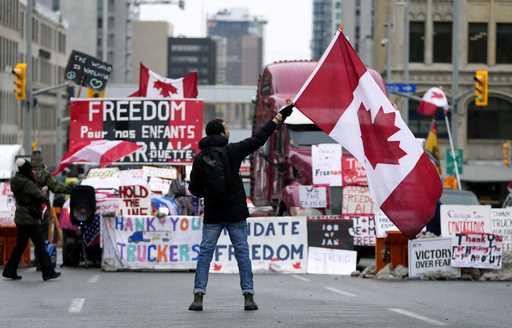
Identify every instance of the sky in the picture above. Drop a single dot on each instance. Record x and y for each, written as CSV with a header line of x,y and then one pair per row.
x,y
287,34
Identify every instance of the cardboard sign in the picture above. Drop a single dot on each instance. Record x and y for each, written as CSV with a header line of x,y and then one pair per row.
x,y
159,185
501,224
465,219
331,261
168,131
383,224
356,201
326,164
477,250
7,204
329,231
145,242
159,172
430,255
87,71
363,230
353,172
102,178
277,244
134,193
313,196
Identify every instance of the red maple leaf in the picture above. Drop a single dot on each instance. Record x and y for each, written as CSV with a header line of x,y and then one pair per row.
x,y
165,88
375,137
437,95
297,265
217,267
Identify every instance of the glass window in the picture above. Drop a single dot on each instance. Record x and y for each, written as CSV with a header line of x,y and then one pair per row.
x,y
442,42
307,135
420,125
503,43
417,42
491,122
477,43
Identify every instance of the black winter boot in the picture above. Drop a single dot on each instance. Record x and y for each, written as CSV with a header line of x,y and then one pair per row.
x,y
249,304
197,304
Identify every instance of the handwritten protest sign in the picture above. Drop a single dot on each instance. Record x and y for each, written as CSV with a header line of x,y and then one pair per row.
x,y
353,171
313,197
277,244
465,219
363,230
356,200
87,71
501,224
331,261
383,224
477,250
430,255
329,231
134,193
159,172
326,164
144,242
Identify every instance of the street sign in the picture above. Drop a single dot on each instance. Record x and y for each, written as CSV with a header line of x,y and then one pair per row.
x,y
87,71
450,169
401,87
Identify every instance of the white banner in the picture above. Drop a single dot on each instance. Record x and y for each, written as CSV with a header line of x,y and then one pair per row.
x,y
313,196
326,164
277,244
477,250
465,219
331,261
159,172
430,255
131,243
501,224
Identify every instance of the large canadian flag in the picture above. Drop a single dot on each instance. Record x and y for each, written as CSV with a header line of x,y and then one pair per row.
x,y
344,100
153,85
433,99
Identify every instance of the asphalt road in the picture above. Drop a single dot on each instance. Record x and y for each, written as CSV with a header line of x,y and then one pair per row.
x,y
92,298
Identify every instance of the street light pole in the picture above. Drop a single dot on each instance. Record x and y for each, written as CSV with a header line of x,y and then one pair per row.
x,y
406,56
455,70
27,105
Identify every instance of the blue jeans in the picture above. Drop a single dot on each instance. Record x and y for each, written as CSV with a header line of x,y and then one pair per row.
x,y
238,236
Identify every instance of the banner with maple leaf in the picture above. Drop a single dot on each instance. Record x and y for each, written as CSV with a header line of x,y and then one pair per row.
x,y
346,100
153,85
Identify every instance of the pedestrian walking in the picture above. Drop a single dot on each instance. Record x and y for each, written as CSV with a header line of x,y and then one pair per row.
x,y
30,210
215,176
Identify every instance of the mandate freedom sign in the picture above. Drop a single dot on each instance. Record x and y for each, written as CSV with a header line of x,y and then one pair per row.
x,y
278,244
430,255
147,242
465,219
167,130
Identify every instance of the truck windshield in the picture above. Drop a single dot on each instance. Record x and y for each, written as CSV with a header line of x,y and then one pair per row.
x,y
307,135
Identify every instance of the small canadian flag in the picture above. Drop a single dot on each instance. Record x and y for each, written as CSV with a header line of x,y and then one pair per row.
x,y
433,99
153,85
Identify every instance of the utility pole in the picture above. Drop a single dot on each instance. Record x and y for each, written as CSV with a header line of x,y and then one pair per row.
x,y
406,56
389,50
27,105
455,70
104,44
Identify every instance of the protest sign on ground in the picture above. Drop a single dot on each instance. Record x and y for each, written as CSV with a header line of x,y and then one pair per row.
x,y
331,261
477,250
501,224
326,164
353,171
363,230
329,231
356,200
465,219
313,196
277,244
430,255
383,224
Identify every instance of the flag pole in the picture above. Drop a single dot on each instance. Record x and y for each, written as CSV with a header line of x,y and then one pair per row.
x,y
452,150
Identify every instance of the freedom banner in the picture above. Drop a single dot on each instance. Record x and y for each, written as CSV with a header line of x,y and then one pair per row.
x,y
168,130
276,244
150,243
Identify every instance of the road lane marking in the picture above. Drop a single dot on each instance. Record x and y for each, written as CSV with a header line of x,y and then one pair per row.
x,y
301,278
76,305
94,279
417,316
339,291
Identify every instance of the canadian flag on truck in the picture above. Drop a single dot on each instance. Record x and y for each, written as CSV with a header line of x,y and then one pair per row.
x,y
153,85
343,99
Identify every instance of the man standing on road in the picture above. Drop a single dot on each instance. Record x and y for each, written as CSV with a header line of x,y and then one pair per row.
x,y
215,176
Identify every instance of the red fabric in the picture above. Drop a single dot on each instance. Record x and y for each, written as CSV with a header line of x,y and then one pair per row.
x,y
411,214
134,94
117,152
323,102
427,109
143,80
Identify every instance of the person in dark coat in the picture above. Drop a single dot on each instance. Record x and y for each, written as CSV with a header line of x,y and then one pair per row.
x,y
30,207
230,211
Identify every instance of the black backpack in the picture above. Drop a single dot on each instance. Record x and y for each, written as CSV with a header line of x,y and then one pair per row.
x,y
215,170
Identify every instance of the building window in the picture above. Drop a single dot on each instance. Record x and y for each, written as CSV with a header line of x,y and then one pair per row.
x,y
442,42
503,43
477,43
491,122
420,125
417,42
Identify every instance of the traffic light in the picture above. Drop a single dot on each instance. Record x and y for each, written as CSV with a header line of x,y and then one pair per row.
x,y
35,146
181,4
20,81
91,93
506,153
481,88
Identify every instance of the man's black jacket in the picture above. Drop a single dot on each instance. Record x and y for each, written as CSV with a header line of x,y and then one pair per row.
x,y
233,207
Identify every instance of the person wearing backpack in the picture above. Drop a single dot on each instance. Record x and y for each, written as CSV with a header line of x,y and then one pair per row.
x,y
215,176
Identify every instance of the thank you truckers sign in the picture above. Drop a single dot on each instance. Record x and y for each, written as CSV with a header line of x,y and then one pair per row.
x,y
168,130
